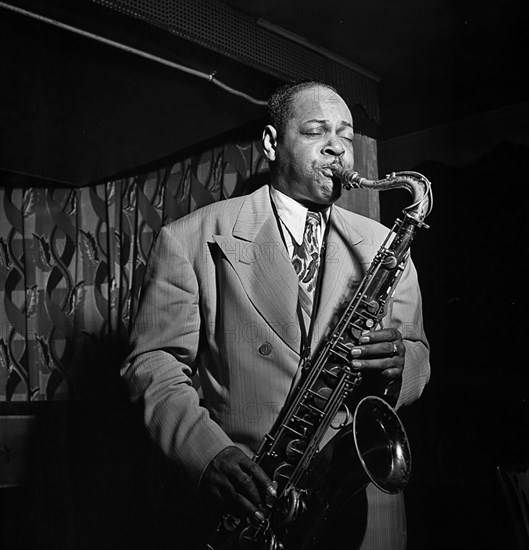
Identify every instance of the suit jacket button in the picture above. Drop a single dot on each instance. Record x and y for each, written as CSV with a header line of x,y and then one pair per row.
x,y
265,349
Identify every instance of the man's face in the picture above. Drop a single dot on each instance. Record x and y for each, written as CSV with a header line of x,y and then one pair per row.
x,y
318,134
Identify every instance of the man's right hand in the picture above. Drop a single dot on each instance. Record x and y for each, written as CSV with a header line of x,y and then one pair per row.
x,y
237,483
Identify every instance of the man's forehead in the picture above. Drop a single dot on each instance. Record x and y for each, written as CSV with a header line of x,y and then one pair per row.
x,y
317,100
320,94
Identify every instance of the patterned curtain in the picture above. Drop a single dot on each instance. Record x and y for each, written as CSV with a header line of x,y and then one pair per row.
x,y
72,261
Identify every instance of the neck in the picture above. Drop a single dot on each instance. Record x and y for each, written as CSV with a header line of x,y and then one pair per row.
x,y
310,205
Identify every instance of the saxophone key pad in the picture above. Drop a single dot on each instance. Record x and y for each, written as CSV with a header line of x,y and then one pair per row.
x,y
294,450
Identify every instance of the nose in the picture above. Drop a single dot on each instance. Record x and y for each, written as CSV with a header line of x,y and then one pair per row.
x,y
334,147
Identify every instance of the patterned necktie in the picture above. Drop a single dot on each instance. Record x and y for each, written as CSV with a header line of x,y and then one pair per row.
x,y
306,261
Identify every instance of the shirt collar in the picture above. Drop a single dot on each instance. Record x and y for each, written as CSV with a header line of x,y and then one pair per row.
x,y
293,214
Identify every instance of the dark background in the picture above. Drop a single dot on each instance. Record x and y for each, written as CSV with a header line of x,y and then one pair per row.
x,y
474,414
75,111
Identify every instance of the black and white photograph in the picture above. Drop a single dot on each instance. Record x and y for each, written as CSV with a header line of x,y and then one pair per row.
x,y
263,271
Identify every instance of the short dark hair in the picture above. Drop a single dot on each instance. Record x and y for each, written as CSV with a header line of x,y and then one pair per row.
x,y
281,102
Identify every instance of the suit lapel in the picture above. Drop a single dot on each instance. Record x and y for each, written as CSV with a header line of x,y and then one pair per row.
x,y
260,260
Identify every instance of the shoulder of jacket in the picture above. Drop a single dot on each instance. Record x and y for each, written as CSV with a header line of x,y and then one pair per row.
x,y
212,215
371,230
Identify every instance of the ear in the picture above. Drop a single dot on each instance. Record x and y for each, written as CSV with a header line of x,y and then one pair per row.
x,y
270,142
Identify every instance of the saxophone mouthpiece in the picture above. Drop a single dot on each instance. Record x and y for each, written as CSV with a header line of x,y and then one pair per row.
x,y
348,178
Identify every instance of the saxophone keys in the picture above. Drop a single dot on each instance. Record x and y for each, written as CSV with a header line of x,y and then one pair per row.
x,y
294,450
283,473
390,262
345,413
259,538
321,397
292,506
230,523
331,374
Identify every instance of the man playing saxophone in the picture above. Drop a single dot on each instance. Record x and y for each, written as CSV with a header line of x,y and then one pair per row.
x,y
242,291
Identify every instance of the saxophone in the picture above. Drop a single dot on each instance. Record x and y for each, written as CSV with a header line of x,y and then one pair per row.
x,y
313,482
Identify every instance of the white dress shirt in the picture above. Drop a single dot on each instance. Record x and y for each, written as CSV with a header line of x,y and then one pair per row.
x,y
292,217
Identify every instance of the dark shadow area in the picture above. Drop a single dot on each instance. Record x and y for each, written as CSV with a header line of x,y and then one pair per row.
x,y
91,469
474,414
251,184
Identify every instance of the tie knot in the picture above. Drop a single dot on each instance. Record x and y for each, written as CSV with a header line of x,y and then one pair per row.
x,y
313,219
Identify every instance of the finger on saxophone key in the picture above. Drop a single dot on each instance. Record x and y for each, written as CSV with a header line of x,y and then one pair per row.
x,y
271,494
272,489
356,352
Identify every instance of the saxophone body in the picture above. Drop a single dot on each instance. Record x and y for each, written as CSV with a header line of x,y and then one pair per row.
x,y
371,445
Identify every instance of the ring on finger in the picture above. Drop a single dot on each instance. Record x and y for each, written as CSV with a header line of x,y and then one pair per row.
x,y
395,348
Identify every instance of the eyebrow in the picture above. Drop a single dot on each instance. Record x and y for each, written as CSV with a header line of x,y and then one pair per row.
x,y
324,121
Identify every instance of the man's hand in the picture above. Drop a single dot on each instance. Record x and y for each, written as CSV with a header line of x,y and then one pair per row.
x,y
237,483
380,350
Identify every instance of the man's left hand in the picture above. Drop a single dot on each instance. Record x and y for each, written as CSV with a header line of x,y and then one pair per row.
x,y
380,350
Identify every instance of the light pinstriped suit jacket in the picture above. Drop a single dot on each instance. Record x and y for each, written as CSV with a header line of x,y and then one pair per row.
x,y
219,298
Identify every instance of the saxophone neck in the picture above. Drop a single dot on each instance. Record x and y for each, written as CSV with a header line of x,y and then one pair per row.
x,y
414,182
421,190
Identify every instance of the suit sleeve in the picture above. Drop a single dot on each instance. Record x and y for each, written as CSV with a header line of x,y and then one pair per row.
x,y
406,315
164,347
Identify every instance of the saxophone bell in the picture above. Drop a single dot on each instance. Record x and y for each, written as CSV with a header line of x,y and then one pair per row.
x,y
382,445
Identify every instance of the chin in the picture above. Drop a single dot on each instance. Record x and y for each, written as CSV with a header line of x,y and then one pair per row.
x,y
331,193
